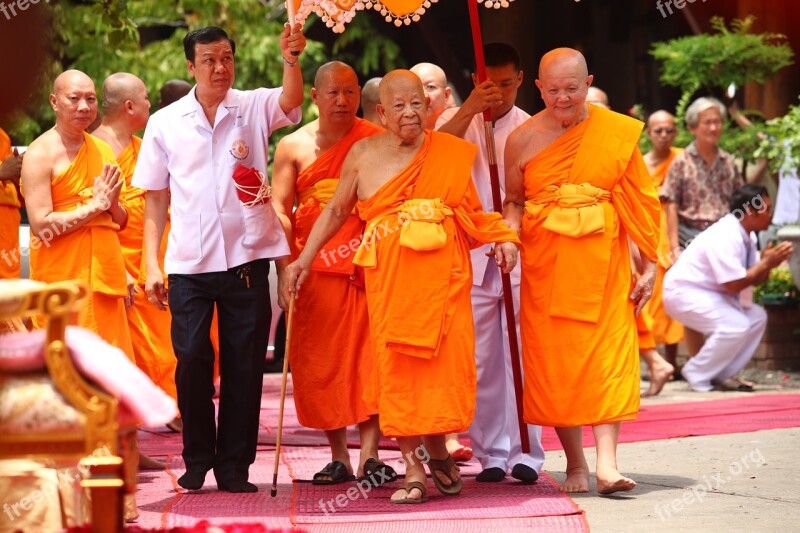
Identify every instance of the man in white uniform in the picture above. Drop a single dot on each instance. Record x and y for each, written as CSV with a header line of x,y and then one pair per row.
x,y
495,430
218,249
710,289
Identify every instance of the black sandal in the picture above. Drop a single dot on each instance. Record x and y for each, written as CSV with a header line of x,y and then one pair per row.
x,y
336,471
377,473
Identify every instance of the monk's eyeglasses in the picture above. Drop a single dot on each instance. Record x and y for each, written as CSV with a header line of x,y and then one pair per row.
x,y
661,131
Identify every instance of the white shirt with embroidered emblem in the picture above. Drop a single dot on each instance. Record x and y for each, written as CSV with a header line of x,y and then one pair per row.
x,y
210,229
480,173
720,254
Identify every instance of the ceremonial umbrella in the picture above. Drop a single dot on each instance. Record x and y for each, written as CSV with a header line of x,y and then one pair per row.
x,y
336,14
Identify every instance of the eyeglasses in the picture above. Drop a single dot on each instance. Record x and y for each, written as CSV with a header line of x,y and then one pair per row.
x,y
661,131
431,87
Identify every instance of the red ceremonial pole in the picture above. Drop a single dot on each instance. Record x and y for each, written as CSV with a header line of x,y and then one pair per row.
x,y
497,204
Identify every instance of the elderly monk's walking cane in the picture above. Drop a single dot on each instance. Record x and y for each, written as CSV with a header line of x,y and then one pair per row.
x,y
513,343
289,321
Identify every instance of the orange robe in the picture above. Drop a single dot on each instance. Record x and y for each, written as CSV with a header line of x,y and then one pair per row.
x,y
665,329
586,193
418,280
330,371
9,219
91,254
150,327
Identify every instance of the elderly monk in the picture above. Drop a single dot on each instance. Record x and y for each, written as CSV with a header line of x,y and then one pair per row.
x,y
434,83
369,100
598,97
577,187
413,188
72,189
125,111
328,390
10,166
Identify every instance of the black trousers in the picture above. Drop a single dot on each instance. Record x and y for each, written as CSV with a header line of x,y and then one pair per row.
x,y
244,315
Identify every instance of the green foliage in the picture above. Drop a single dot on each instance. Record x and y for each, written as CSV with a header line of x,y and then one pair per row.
x,y
710,63
726,57
782,143
779,288
365,48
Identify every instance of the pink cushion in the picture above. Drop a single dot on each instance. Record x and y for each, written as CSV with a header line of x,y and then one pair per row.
x,y
98,361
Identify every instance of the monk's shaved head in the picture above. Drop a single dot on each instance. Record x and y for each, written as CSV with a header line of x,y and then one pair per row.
x,y
398,80
118,88
597,96
172,91
561,59
429,70
71,78
332,67
660,116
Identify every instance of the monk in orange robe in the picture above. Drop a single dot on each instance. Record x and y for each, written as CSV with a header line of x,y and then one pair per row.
x,y
329,371
661,130
577,187
414,190
125,111
72,188
10,164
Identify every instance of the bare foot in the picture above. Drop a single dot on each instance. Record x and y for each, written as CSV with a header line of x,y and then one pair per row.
x,y
577,479
744,382
609,481
660,373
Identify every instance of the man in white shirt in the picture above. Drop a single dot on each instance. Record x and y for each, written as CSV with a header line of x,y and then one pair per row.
x,y
710,289
495,430
218,249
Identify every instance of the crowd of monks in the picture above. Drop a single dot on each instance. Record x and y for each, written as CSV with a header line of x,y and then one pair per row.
x,y
380,219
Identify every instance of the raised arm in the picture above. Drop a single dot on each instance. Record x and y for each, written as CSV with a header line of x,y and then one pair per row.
x,y
292,40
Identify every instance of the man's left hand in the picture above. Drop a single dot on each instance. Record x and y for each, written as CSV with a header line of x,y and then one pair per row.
x,y
293,42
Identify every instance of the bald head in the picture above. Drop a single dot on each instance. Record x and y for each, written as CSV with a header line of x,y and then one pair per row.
x,y
370,99
597,97
172,91
74,100
333,68
660,116
431,71
396,82
118,88
434,83
562,60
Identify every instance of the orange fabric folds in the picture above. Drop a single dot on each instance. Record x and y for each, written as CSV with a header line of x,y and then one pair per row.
x,y
418,275
91,253
586,193
150,327
330,370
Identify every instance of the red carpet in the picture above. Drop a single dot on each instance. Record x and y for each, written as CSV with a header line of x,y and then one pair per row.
x,y
712,417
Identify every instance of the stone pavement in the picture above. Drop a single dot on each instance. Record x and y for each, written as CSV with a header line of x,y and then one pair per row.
x,y
726,483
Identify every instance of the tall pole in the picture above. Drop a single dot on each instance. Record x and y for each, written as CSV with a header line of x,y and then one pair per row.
x,y
497,204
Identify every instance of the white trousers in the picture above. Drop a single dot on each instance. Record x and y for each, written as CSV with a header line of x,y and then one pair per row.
x,y
732,332
495,430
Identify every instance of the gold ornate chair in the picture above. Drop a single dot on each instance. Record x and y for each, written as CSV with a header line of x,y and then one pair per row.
x,y
103,447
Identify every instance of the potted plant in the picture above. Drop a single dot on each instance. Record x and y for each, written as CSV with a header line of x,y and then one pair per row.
x,y
779,291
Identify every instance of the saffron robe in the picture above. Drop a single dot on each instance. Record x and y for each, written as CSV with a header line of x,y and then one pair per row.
x,y
91,254
418,277
586,192
150,327
9,219
330,352
665,329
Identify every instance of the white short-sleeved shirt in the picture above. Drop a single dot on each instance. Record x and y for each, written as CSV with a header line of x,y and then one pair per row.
x,y
720,254
480,172
210,229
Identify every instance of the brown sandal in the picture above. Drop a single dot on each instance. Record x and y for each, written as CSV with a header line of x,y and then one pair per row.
x,y
445,466
408,487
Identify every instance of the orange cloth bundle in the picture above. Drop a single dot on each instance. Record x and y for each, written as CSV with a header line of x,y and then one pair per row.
x,y
251,186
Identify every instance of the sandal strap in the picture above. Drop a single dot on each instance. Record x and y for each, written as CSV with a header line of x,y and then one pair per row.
x,y
408,487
